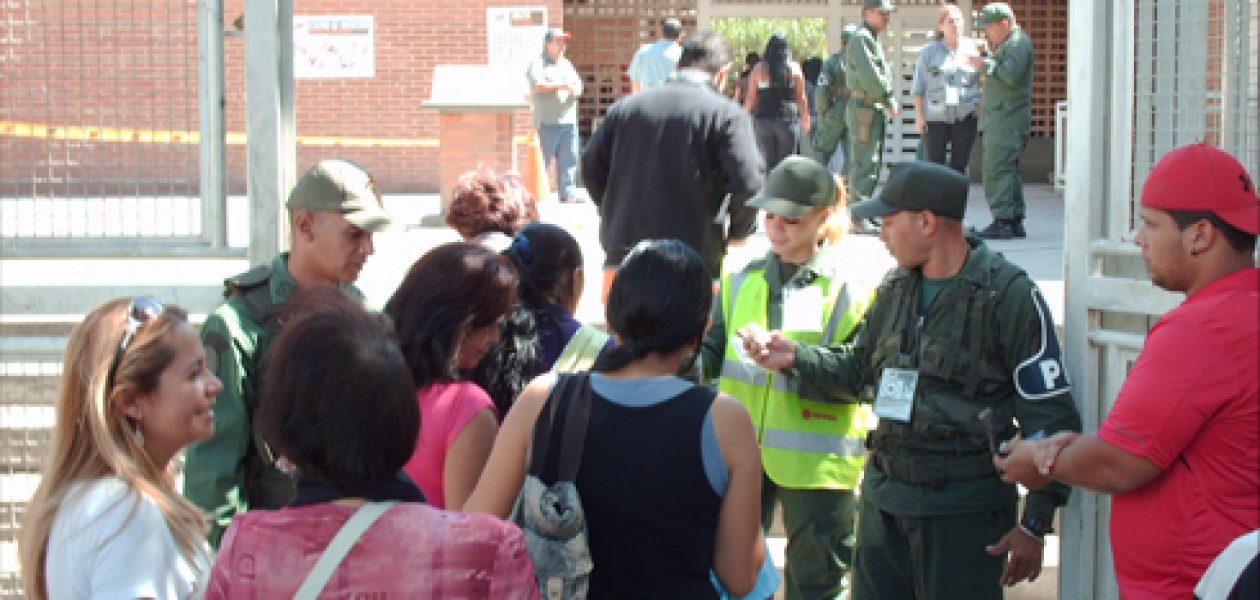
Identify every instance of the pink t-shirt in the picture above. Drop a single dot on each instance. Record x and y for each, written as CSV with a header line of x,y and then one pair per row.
x,y
413,551
1190,407
445,409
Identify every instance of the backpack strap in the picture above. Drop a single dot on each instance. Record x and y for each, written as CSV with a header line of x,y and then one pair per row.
x,y
574,440
582,350
340,546
571,396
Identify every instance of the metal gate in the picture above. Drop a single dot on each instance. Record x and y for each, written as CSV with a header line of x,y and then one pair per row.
x,y
100,131
102,180
1145,76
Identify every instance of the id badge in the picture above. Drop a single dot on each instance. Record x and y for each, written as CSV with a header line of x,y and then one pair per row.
x,y
802,309
737,345
951,95
895,399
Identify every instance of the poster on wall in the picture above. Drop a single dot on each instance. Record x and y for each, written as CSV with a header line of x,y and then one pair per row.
x,y
334,46
515,35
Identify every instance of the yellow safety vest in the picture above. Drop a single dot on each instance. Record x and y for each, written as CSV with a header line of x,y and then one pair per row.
x,y
805,443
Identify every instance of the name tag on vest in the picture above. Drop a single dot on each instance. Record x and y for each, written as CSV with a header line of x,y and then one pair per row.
x,y
895,399
803,309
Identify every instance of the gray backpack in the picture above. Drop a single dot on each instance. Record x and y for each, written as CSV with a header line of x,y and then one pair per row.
x,y
551,515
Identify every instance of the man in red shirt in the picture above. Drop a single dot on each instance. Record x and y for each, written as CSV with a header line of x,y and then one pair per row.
x,y
1179,450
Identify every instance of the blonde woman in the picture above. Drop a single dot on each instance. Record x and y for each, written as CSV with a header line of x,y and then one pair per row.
x,y
811,441
106,520
946,91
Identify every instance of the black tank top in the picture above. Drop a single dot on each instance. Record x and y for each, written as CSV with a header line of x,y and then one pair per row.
x,y
777,100
651,512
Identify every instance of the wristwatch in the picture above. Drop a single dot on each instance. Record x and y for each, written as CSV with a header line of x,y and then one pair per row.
x,y
1036,525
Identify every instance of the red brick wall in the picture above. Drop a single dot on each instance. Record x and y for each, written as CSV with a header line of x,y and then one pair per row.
x,y
131,65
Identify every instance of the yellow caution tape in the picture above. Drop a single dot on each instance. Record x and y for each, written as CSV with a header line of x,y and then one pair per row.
x,y
151,136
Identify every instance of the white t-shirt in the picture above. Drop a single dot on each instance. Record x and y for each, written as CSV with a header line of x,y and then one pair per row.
x,y
105,544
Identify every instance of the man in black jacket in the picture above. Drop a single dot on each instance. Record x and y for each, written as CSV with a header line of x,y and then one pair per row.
x,y
686,160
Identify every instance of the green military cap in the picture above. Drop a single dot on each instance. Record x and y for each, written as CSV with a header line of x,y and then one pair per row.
x,y
795,186
918,186
994,12
848,32
883,5
343,187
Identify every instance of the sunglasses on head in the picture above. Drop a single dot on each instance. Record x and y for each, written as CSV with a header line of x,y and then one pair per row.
x,y
142,310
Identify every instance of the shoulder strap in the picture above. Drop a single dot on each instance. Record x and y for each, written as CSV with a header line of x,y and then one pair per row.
x,y
582,350
575,428
253,286
572,395
340,546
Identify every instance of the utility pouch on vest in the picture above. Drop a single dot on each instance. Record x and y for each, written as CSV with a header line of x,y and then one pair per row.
x,y
827,137
865,121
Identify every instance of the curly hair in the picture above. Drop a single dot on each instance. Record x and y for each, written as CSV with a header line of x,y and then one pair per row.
x,y
486,200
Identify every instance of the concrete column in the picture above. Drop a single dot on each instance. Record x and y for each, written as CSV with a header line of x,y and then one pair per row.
x,y
468,139
272,149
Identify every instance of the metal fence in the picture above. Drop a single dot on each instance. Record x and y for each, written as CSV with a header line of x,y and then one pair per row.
x,y
1193,79
99,156
99,128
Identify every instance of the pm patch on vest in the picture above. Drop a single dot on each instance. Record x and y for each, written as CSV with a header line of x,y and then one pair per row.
x,y
1043,375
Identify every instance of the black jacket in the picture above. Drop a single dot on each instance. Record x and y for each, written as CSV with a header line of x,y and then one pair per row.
x,y
662,163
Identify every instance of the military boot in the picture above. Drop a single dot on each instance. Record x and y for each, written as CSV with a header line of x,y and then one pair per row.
x,y
1000,229
1018,226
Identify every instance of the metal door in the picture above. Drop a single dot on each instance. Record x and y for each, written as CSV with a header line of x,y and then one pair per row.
x,y
1144,77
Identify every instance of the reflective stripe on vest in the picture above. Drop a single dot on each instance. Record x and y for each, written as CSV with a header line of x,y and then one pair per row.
x,y
805,443
813,442
756,376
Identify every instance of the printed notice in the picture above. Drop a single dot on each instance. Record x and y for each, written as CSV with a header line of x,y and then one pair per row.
x,y
515,35
328,47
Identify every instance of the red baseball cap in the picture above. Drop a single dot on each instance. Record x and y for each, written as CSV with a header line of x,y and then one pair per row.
x,y
1202,178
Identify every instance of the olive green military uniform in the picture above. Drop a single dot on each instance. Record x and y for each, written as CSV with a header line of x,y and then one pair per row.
x,y
831,99
1005,121
866,116
986,324
935,356
234,471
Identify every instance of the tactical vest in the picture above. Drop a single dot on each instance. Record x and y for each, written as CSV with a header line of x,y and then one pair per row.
x,y
265,486
939,77
806,442
956,352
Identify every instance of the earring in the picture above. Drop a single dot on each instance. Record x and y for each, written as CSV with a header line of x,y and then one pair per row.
x,y
139,434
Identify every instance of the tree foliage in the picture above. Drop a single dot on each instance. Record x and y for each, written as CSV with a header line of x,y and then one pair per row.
x,y
806,37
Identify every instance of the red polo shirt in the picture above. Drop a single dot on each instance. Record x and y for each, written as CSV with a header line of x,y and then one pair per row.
x,y
1190,406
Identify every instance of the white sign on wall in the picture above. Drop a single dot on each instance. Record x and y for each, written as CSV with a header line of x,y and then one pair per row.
x,y
334,46
515,35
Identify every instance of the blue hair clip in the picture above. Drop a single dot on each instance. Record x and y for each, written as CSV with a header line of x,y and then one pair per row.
x,y
520,247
